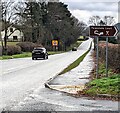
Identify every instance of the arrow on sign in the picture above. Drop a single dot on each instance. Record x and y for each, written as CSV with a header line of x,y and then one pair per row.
x,y
116,31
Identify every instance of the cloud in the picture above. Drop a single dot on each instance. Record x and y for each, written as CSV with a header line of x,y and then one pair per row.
x,y
83,10
93,6
84,15
89,1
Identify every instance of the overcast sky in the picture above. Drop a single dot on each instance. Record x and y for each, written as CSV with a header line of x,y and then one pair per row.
x,y
84,9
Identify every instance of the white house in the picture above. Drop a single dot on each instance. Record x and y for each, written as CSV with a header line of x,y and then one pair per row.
x,y
13,34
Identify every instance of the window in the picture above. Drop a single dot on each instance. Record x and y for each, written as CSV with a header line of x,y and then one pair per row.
x,y
15,38
11,29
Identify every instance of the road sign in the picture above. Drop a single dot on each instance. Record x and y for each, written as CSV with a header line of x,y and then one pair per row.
x,y
54,42
103,31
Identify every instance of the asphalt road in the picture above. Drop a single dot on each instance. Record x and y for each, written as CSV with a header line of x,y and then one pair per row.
x,y
22,85
20,77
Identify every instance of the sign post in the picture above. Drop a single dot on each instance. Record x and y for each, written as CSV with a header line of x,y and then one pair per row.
x,y
97,66
106,56
103,31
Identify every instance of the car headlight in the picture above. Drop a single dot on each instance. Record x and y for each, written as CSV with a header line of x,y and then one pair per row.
x,y
44,51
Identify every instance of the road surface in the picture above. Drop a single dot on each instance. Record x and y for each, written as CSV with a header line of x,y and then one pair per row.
x,y
22,78
19,77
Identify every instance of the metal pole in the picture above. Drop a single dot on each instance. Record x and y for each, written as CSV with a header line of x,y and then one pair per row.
x,y
97,59
106,56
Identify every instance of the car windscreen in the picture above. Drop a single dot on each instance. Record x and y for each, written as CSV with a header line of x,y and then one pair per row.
x,y
38,49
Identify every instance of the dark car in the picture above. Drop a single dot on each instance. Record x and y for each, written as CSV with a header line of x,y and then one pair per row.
x,y
74,49
39,52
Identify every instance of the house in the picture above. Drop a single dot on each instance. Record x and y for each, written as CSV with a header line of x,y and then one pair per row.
x,y
13,34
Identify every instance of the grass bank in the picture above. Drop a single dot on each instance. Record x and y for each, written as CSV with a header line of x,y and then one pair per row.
x,y
55,52
26,54
76,62
105,87
23,55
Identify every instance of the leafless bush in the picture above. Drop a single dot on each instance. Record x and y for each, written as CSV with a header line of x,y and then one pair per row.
x,y
113,54
28,46
13,49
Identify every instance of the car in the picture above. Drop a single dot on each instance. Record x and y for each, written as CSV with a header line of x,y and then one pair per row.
x,y
39,52
74,49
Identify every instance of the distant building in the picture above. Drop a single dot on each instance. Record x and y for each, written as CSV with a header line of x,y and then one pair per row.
x,y
13,34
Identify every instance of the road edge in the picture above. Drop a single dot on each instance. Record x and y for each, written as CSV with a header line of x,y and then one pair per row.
x,y
47,85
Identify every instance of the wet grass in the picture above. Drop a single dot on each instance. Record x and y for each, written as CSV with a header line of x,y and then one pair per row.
x,y
102,70
76,62
103,85
106,85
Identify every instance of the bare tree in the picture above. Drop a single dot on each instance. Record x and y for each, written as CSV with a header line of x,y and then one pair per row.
x,y
1,29
94,20
109,20
79,24
98,21
8,17
1,46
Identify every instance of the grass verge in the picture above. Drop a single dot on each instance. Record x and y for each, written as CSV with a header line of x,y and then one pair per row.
x,y
55,52
103,87
76,62
106,85
26,54
23,55
12,43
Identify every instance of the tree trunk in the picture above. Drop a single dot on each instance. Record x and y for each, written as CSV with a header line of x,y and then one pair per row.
x,y
1,48
5,40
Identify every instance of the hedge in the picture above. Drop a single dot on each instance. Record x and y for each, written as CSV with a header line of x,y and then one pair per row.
x,y
12,49
28,46
113,54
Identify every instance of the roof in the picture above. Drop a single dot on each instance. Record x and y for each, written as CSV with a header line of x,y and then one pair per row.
x,y
9,25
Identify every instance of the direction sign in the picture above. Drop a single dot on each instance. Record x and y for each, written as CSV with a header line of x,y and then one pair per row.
x,y
103,31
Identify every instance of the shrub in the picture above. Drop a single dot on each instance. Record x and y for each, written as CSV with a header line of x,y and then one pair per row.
x,y
49,48
113,54
13,49
28,46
